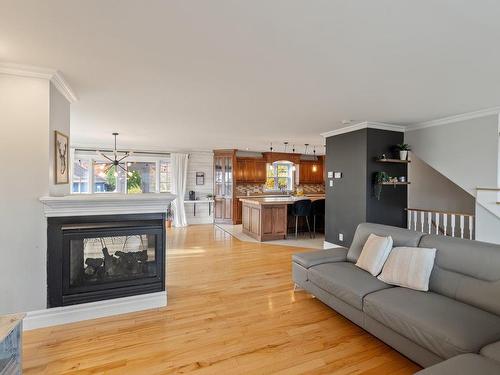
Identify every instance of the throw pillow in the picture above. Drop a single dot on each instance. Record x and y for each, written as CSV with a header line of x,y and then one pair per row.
x,y
374,253
409,267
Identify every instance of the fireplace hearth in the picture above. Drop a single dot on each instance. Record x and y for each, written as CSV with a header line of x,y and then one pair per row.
x,y
92,258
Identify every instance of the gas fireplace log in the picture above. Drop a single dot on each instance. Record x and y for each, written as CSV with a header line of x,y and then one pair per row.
x,y
94,262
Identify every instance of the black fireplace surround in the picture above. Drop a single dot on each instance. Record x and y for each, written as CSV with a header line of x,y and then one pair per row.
x,y
93,258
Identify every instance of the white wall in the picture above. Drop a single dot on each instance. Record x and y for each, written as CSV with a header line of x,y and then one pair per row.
x,y
467,153
59,119
200,162
24,151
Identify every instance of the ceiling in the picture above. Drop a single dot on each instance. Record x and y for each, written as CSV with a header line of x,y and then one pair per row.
x,y
186,74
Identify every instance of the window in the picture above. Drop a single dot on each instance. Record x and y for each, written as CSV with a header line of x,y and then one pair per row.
x,y
279,176
108,178
141,177
80,183
142,174
165,176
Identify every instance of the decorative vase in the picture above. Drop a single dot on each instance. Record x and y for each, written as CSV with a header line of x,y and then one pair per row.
x,y
403,155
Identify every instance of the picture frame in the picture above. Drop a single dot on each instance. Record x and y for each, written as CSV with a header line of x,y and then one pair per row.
x,y
61,158
200,178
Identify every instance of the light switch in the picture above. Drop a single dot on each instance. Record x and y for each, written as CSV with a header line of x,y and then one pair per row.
x,y
337,175
330,174
331,183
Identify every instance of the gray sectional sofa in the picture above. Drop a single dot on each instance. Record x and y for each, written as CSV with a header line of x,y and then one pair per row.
x,y
457,321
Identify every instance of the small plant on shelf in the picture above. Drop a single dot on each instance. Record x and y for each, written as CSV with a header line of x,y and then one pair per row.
x,y
403,149
170,215
379,179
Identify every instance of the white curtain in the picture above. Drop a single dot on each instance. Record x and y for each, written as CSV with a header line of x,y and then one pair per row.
x,y
179,164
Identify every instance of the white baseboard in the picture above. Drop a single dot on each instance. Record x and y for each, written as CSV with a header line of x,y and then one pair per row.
x,y
93,310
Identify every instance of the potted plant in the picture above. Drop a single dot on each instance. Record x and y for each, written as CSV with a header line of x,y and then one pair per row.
x,y
379,178
403,149
170,216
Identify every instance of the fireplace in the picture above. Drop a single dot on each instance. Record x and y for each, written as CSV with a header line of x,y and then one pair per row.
x,y
101,257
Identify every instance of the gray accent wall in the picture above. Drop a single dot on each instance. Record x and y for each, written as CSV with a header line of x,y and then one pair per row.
x,y
351,200
345,204
430,190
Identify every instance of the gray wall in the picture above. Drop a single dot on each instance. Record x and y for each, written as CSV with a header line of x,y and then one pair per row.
x,y
351,200
389,209
345,201
430,190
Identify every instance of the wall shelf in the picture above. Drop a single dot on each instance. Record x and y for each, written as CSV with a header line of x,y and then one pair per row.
x,y
394,161
394,183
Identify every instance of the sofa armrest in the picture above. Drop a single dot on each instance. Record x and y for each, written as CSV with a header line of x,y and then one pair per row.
x,y
463,364
306,260
492,351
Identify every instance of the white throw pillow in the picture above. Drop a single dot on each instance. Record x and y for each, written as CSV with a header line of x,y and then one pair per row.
x,y
409,267
374,253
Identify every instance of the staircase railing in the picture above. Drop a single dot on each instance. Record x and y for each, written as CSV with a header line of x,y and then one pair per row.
x,y
453,224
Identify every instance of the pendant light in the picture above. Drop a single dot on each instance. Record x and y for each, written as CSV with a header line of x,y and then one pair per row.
x,y
271,164
116,159
314,167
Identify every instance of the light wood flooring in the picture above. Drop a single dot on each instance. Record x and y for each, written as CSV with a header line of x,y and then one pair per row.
x,y
231,310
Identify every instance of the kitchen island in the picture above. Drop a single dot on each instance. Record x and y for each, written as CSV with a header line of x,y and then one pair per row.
x,y
265,218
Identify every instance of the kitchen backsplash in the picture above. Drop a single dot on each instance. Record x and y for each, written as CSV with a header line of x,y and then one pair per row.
x,y
242,189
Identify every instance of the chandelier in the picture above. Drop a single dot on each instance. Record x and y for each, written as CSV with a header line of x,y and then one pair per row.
x,y
116,159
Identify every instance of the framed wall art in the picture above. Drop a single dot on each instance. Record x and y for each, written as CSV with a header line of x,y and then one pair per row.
x,y
61,158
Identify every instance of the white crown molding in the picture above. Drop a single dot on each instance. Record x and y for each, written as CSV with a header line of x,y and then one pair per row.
x,y
52,75
455,118
105,204
93,310
364,125
63,87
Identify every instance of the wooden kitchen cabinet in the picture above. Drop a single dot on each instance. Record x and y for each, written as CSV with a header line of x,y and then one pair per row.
x,y
250,170
311,172
224,162
238,212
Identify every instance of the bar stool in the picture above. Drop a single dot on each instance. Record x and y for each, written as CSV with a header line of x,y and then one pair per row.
x,y
302,208
317,209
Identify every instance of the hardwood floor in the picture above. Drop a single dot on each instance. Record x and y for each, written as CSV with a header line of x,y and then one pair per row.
x,y
231,310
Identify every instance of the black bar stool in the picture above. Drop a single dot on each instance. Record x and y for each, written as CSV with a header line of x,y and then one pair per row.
x,y
317,209
302,208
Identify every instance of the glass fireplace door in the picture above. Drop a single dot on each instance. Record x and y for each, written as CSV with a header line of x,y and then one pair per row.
x,y
103,259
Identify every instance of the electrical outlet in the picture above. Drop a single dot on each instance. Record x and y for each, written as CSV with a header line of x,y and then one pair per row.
x,y
341,237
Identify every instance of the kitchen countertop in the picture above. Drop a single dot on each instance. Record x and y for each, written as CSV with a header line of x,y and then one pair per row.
x,y
310,195
279,200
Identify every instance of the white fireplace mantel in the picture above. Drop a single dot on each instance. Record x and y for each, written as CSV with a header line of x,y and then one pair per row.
x,y
106,204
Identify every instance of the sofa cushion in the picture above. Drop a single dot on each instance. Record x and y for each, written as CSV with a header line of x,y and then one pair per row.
x,y
464,364
492,351
440,324
345,281
400,237
465,270
321,256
